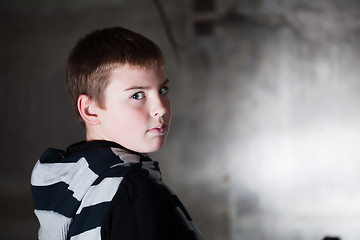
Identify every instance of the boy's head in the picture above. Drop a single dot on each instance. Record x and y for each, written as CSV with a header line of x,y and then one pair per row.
x,y
98,53
117,83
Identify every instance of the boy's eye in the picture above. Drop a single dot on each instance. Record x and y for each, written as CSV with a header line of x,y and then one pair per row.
x,y
138,96
163,90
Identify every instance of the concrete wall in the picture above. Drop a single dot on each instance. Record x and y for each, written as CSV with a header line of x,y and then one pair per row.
x,y
266,109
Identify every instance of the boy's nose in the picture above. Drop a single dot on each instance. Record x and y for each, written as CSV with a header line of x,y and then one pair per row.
x,y
159,108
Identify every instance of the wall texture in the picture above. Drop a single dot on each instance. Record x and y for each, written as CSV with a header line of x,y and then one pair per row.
x,y
266,109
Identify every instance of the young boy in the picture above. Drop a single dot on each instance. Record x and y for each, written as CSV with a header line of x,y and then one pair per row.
x,y
107,187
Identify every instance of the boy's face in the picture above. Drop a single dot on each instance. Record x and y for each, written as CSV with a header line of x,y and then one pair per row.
x,y
136,112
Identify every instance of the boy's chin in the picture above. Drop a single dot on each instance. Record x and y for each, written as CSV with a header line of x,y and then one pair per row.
x,y
147,148
151,149
154,148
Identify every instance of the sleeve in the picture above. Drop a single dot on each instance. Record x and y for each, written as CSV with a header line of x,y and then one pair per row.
x,y
140,210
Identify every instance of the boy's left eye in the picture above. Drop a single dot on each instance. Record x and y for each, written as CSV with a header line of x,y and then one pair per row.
x,y
163,90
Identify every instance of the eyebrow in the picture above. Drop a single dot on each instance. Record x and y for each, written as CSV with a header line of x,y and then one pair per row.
x,y
144,87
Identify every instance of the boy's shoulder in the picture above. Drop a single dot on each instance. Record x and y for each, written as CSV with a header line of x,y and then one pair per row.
x,y
142,186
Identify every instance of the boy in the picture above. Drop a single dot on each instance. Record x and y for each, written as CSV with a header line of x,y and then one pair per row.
x,y
106,187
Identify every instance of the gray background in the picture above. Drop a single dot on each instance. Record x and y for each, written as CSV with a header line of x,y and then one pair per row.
x,y
265,134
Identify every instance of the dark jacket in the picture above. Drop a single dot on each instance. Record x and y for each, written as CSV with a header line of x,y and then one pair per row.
x,y
101,190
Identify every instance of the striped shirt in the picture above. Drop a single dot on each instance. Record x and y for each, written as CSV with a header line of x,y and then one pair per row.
x,y
80,193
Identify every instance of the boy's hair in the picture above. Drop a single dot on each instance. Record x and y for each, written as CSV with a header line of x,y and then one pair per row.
x,y
94,56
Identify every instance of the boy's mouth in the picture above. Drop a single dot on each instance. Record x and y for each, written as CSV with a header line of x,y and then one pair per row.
x,y
158,130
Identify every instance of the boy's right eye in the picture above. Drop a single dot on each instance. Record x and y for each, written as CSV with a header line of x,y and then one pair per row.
x,y
138,96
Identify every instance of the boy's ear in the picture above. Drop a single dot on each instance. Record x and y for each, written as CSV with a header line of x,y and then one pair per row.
x,y
87,110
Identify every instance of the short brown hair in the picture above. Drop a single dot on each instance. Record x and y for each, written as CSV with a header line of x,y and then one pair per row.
x,y
96,54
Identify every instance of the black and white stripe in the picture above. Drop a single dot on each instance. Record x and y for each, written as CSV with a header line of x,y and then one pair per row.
x,y
72,190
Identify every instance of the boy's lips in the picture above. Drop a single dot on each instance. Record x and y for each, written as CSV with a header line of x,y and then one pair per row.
x,y
158,130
